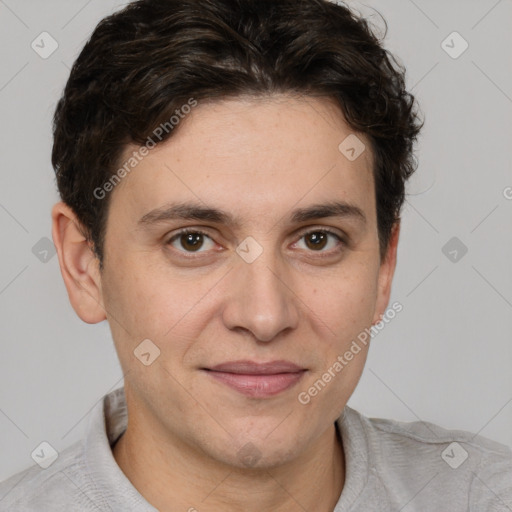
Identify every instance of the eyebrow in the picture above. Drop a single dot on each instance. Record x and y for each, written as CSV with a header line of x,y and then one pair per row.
x,y
196,211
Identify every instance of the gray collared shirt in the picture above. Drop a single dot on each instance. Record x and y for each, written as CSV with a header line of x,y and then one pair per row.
x,y
390,466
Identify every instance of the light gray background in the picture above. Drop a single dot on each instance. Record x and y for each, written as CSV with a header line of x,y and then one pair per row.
x,y
446,358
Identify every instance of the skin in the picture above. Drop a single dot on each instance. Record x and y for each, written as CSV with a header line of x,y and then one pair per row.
x,y
257,159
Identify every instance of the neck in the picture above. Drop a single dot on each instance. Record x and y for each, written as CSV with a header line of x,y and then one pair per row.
x,y
173,477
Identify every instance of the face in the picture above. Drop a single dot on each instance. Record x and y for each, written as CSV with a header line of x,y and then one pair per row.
x,y
266,288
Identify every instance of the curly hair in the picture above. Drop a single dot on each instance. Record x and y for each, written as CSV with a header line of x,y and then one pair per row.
x,y
142,63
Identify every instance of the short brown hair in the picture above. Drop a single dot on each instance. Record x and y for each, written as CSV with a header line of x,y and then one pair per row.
x,y
145,61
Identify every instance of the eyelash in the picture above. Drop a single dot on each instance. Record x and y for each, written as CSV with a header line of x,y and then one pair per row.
x,y
194,231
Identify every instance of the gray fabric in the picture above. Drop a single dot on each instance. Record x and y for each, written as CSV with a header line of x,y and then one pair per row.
x,y
390,466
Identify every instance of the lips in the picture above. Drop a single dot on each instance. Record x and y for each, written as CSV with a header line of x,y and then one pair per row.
x,y
257,380
253,368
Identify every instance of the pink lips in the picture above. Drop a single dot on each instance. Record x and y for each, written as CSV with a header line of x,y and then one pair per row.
x,y
257,380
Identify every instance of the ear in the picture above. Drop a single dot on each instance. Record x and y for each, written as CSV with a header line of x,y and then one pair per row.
x,y
79,265
386,272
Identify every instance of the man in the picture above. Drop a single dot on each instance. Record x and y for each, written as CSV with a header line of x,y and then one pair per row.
x,y
232,174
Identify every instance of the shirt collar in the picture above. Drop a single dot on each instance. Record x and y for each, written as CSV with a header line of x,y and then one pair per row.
x,y
107,422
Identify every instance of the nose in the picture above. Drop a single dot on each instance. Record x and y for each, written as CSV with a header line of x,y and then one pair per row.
x,y
261,298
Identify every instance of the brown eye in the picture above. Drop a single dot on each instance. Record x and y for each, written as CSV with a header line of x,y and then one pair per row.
x,y
319,239
316,240
189,241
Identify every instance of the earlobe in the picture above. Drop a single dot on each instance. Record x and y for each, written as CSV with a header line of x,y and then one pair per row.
x,y
79,265
386,273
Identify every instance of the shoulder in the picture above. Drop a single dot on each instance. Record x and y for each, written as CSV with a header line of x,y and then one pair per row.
x,y
54,488
425,437
457,462
423,434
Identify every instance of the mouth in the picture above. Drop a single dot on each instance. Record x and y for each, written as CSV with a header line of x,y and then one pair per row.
x,y
257,380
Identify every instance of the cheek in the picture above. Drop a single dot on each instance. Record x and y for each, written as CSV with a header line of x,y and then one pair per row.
x,y
345,302
345,308
146,310
145,302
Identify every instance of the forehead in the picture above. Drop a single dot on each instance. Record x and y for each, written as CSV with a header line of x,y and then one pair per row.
x,y
253,156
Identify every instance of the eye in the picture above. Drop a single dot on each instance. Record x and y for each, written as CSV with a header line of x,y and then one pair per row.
x,y
318,239
193,240
190,240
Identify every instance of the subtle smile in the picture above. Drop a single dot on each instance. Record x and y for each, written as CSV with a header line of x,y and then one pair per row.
x,y
257,380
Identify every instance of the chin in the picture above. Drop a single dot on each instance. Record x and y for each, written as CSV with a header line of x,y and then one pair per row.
x,y
258,454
